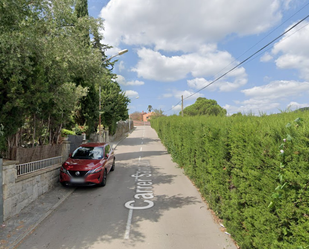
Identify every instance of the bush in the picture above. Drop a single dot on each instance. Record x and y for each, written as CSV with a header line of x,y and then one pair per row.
x,y
65,132
79,130
253,172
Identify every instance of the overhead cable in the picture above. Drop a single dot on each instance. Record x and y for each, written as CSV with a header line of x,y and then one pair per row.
x,y
248,58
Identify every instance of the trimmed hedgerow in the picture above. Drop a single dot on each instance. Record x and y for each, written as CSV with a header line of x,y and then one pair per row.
x,y
253,172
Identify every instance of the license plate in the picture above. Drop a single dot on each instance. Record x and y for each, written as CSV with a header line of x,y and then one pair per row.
x,y
77,180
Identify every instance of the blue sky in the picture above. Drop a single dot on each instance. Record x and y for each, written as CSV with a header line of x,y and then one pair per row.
x,y
177,47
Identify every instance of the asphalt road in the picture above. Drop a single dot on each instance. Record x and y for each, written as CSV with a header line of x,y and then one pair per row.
x,y
147,203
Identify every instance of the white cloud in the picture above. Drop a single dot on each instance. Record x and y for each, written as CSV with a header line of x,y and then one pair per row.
x,y
135,83
270,97
121,66
293,50
266,57
155,66
294,105
176,108
122,81
186,95
131,94
198,83
177,95
287,3
278,90
167,27
255,106
167,95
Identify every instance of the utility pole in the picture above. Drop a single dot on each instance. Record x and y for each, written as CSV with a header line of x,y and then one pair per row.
x,y
182,105
100,131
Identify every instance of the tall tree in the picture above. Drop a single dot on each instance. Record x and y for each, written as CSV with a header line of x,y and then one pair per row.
x,y
81,11
114,105
204,106
81,8
149,108
89,104
40,53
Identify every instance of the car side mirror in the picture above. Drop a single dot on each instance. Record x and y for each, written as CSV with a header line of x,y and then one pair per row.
x,y
70,155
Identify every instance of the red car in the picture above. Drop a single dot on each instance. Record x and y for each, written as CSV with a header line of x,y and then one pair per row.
x,y
89,164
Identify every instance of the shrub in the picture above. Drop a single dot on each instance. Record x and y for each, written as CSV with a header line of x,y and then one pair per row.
x,y
65,132
253,172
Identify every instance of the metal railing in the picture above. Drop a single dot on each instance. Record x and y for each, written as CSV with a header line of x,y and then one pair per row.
x,y
26,168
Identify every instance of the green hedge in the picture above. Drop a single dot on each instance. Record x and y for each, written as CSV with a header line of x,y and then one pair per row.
x,y
253,172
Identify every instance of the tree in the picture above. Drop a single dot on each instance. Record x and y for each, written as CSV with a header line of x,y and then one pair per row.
x,y
149,108
81,8
137,116
81,12
50,71
40,53
114,105
204,106
157,113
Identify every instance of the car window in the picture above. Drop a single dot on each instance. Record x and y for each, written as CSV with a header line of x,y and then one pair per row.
x,y
88,153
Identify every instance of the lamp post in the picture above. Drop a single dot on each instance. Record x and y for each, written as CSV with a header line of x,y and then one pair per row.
x,y
121,52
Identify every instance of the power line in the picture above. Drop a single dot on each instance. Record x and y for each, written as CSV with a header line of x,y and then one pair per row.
x,y
272,31
173,106
245,60
248,58
286,37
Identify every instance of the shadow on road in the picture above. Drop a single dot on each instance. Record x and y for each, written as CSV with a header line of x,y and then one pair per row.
x,y
114,223
137,140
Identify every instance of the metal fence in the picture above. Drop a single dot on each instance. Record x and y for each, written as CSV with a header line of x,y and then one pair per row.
x,y
26,168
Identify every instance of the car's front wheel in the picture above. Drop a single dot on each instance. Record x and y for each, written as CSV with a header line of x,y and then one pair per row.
x,y
104,177
113,166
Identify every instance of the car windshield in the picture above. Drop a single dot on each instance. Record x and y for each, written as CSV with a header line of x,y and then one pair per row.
x,y
88,153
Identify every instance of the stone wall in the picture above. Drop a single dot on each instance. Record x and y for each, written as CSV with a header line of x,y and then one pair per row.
x,y
122,128
20,191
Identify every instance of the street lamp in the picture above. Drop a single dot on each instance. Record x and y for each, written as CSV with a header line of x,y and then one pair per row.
x,y
121,52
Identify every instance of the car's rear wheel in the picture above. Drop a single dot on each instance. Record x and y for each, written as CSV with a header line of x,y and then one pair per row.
x,y
113,166
104,177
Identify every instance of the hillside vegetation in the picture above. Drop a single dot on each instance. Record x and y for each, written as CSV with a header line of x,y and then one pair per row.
x,y
253,172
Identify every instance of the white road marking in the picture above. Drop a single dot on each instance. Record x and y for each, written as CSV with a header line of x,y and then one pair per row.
x,y
130,215
128,227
